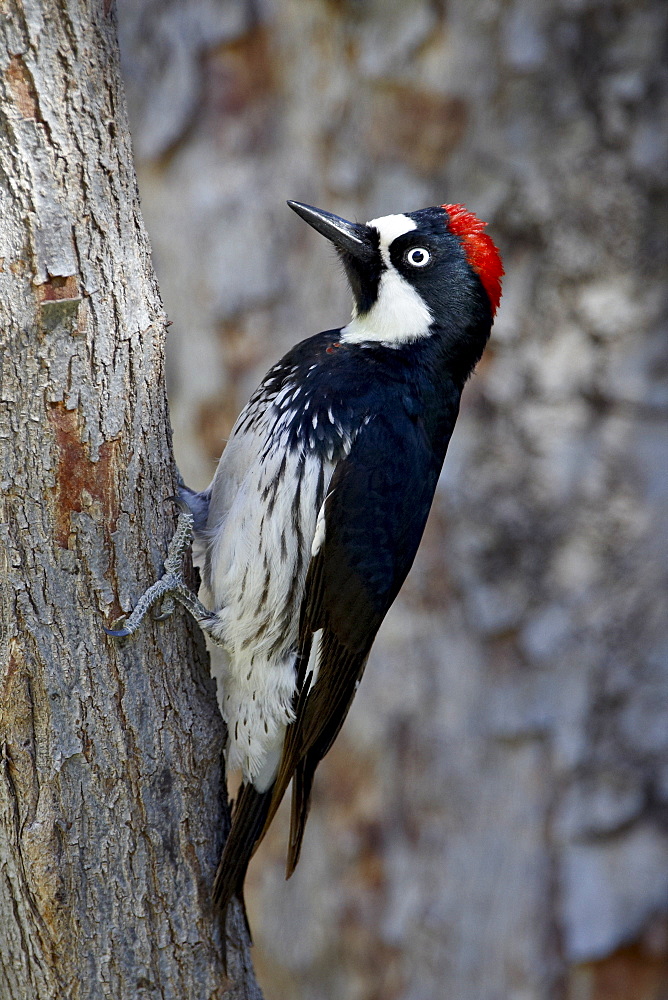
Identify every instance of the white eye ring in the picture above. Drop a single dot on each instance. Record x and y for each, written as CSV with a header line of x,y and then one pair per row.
x,y
418,257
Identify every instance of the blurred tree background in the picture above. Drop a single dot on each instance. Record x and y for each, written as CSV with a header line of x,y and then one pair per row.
x,y
492,823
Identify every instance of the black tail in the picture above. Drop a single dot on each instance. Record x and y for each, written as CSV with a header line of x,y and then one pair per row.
x,y
302,782
248,817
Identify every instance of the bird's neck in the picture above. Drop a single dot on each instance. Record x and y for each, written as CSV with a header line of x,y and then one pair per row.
x,y
457,349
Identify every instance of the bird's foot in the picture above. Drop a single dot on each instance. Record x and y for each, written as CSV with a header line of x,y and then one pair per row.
x,y
170,589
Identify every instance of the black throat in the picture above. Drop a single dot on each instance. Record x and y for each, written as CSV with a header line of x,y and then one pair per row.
x,y
364,275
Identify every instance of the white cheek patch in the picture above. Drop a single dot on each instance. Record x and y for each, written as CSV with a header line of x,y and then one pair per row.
x,y
399,314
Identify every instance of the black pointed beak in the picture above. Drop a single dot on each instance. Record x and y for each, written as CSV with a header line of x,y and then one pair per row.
x,y
351,237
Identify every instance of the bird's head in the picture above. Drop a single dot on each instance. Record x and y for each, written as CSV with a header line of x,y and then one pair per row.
x,y
415,274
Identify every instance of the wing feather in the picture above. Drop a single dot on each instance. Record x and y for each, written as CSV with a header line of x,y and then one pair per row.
x,y
375,514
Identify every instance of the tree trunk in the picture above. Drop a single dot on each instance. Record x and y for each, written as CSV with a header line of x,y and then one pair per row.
x,y
112,791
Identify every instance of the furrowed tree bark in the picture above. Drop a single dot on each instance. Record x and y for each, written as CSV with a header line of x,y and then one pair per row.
x,y
112,793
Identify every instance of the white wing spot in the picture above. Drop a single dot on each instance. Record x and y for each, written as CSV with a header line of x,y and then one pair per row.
x,y
313,665
319,535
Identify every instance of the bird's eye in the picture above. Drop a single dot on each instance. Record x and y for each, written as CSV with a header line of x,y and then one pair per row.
x,y
418,257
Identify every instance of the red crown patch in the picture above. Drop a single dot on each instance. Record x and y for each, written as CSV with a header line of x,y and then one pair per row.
x,y
481,253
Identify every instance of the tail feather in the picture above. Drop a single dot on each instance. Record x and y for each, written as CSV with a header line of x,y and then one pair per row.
x,y
248,821
302,782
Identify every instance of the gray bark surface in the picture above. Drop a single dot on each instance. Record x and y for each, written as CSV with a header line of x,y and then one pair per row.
x,y
491,823
112,795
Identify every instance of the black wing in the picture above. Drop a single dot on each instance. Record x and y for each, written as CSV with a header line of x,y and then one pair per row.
x,y
375,514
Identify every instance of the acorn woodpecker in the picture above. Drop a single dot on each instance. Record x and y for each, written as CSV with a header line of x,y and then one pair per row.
x,y
320,499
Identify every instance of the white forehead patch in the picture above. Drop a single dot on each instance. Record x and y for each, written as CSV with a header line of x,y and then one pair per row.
x,y
399,315
389,227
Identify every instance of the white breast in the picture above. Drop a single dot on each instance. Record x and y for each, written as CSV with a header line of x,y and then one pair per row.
x,y
260,540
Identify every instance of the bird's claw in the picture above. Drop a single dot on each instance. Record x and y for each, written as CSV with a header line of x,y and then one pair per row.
x,y
166,609
180,503
160,592
117,632
162,597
